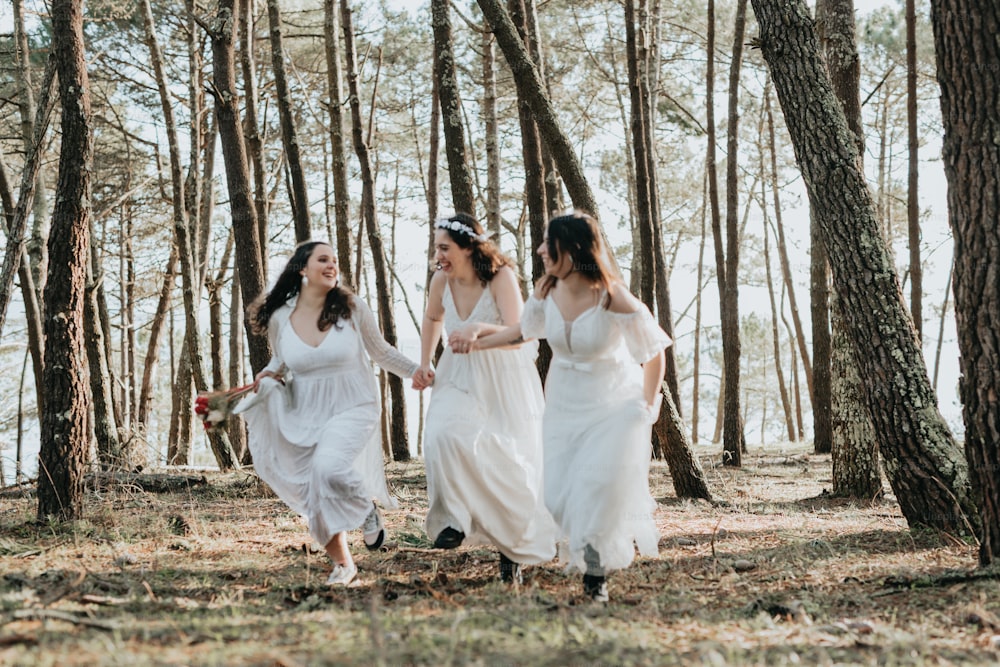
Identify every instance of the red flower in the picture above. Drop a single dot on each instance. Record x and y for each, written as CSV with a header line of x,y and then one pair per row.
x,y
215,406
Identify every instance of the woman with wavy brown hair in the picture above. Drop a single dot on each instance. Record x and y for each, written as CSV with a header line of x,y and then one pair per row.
x,y
482,441
314,421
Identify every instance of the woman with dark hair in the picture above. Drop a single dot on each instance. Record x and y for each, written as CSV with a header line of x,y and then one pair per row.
x,y
314,420
602,395
482,440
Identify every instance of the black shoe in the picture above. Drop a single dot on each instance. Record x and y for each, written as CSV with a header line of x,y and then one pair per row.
x,y
510,572
596,588
449,538
373,529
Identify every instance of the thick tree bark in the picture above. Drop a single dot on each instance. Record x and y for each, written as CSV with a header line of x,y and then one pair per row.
x,y
853,443
289,133
242,210
462,195
398,434
965,37
338,162
924,464
64,433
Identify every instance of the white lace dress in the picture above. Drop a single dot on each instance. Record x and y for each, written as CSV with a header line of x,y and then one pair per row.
x,y
482,445
316,440
597,430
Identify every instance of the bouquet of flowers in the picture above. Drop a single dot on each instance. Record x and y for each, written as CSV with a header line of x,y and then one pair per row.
x,y
215,406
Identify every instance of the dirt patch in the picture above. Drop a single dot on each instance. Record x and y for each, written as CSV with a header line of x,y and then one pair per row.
x,y
775,572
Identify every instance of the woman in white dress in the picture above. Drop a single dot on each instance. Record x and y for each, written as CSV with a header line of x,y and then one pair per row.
x,y
602,395
315,427
482,442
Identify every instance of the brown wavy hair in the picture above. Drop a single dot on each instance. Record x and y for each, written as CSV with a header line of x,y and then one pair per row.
x,y
338,300
578,235
486,258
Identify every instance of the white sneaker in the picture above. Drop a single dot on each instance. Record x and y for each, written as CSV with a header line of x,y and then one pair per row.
x,y
373,529
342,575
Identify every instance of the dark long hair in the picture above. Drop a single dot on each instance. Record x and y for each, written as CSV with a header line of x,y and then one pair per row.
x,y
338,300
486,258
578,235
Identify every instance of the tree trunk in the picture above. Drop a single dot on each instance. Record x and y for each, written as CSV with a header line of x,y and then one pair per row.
x,y
36,246
109,453
531,88
855,450
532,153
254,143
289,134
696,362
16,258
190,283
399,436
913,171
236,426
923,462
492,137
64,446
242,211
153,345
775,337
967,55
338,163
852,443
462,196
786,270
733,438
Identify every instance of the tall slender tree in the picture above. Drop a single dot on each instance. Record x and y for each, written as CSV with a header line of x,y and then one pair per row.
x,y
289,132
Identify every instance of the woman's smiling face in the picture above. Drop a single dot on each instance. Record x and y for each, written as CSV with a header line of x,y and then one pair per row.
x,y
321,269
448,255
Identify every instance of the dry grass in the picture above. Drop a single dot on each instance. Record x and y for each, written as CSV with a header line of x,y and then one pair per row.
x,y
224,575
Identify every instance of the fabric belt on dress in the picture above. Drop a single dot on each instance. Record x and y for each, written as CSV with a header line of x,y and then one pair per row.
x,y
586,366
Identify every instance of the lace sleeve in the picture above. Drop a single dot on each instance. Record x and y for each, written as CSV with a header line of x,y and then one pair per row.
x,y
278,317
643,336
533,318
379,350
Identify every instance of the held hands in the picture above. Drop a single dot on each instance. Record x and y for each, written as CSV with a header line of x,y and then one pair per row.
x,y
423,378
464,340
267,374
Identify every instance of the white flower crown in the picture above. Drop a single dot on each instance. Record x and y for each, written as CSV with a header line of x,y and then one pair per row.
x,y
462,228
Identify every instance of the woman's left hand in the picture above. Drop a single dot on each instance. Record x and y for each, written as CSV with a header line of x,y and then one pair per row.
x,y
463,341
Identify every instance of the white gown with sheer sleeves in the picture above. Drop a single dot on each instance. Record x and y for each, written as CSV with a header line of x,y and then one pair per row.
x,y
597,430
482,445
316,440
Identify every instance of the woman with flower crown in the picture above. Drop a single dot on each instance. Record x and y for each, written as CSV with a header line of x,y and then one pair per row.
x,y
318,446
482,441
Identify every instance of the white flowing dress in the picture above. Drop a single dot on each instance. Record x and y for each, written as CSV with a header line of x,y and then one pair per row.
x,y
597,430
482,445
316,440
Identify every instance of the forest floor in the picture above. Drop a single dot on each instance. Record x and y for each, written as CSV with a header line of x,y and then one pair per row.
x,y
774,572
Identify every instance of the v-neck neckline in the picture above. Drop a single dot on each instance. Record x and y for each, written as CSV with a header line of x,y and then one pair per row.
x,y
580,314
465,319
302,340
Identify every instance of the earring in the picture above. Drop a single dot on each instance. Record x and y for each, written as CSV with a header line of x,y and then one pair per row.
x,y
305,280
